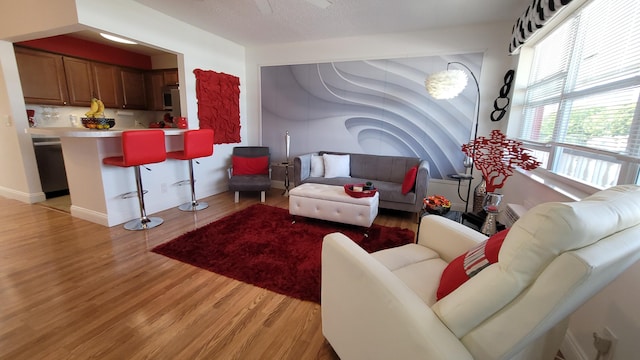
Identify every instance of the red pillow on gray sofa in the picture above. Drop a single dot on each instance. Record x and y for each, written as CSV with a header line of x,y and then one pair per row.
x,y
409,180
467,265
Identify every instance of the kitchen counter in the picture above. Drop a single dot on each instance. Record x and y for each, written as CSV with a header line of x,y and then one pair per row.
x,y
98,191
83,132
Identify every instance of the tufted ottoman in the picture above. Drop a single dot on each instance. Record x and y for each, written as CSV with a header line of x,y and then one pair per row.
x,y
328,202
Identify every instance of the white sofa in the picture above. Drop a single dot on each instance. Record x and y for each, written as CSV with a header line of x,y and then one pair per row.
x,y
383,305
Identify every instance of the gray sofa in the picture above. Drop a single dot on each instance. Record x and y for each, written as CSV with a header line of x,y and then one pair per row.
x,y
385,172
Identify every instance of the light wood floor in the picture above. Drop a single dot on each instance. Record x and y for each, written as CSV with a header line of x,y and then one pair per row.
x,y
71,289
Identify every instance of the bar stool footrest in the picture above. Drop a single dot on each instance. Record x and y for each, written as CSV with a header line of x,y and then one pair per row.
x,y
132,194
183,182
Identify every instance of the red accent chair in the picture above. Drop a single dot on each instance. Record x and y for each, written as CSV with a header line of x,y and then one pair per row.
x,y
197,144
140,147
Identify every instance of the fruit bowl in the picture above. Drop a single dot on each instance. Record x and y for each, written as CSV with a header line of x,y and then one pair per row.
x,y
436,204
98,123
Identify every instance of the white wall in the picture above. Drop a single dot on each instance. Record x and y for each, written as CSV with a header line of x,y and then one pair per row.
x,y
194,49
19,175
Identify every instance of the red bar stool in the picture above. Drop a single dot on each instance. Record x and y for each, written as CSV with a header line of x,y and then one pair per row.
x,y
197,144
139,148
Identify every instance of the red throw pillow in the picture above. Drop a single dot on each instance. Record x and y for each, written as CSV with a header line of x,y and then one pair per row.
x,y
409,180
467,265
250,165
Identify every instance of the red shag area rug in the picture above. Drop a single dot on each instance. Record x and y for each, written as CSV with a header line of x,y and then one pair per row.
x,y
261,246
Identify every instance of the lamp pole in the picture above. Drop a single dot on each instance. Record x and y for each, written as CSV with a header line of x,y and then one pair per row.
x,y
475,132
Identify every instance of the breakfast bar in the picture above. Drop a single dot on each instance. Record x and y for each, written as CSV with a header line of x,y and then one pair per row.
x,y
99,192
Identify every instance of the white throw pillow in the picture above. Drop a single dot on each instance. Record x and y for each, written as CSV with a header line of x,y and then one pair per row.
x,y
337,165
317,166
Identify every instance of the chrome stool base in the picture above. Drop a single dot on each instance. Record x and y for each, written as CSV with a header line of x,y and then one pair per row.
x,y
193,207
140,224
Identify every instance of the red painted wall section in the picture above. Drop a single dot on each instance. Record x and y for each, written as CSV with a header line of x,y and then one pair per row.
x,y
81,48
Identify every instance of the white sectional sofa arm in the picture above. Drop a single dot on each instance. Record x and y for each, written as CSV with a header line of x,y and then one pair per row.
x,y
448,238
369,313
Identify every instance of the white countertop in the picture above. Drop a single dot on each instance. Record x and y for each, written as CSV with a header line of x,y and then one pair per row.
x,y
82,132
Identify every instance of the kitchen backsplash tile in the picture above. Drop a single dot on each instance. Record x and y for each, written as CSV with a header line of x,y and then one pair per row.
x,y
66,116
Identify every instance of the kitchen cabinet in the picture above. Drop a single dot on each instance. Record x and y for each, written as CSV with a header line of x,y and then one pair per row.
x,y
119,87
42,77
156,81
108,84
53,79
133,89
79,81
170,76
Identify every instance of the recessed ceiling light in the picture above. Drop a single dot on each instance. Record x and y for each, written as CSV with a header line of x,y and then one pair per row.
x,y
117,39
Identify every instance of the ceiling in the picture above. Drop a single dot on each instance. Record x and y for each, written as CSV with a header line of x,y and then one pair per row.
x,y
263,22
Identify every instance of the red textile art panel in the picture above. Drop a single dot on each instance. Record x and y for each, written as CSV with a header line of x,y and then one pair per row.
x,y
219,104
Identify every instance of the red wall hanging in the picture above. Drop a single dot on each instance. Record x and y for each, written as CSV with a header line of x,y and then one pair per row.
x,y
219,104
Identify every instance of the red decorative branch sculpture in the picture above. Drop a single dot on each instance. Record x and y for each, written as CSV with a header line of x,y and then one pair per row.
x,y
497,156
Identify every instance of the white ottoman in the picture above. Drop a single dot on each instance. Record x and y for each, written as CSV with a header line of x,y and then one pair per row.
x,y
328,202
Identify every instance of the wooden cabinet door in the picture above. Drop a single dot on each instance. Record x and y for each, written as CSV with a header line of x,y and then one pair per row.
x,y
108,85
79,81
42,77
154,85
170,77
133,89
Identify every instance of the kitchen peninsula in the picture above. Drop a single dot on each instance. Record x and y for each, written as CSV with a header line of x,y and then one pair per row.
x,y
98,192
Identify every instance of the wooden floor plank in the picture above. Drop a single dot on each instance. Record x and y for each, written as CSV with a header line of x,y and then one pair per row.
x,y
72,289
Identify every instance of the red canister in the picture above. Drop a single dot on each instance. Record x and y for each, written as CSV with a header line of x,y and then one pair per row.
x,y
181,122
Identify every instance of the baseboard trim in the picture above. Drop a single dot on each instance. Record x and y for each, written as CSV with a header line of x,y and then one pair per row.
x,y
29,198
90,215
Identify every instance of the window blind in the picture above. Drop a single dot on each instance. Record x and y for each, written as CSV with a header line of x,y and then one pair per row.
x,y
584,84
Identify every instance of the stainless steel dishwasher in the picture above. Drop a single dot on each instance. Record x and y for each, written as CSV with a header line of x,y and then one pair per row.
x,y
53,176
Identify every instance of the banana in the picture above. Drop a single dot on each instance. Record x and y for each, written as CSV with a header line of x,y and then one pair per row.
x,y
100,111
97,108
94,105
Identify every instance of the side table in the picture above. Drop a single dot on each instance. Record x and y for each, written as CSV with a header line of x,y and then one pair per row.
x,y
286,178
460,178
468,219
281,173
475,221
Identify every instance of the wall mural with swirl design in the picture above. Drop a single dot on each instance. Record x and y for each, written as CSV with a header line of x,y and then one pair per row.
x,y
370,106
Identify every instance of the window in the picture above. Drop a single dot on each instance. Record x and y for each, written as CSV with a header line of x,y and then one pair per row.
x,y
581,113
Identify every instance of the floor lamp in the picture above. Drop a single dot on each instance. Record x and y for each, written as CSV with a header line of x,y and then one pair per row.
x,y
448,84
